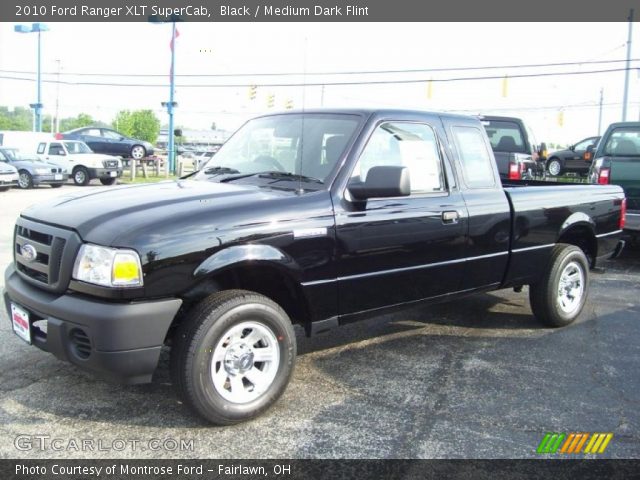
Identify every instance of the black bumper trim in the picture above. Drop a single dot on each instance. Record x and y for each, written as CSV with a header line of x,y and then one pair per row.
x,y
126,338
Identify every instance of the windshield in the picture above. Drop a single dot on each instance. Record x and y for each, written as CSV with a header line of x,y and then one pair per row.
x,y
623,142
504,136
14,154
77,147
298,144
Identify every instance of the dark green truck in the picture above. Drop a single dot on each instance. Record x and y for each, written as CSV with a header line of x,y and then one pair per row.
x,y
617,161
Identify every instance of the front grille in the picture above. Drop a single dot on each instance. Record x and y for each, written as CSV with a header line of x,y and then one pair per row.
x,y
81,343
44,255
110,163
56,170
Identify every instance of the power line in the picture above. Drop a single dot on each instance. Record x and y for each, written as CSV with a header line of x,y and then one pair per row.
x,y
330,83
335,73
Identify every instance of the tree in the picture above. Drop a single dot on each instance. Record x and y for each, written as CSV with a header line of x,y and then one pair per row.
x,y
82,120
141,124
20,118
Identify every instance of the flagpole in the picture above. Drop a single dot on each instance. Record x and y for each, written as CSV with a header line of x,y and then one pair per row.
x,y
171,101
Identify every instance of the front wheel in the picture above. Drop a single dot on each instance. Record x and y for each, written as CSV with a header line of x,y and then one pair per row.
x,y
108,181
233,357
81,176
559,297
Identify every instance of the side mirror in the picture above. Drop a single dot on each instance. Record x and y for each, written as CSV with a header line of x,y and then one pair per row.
x,y
381,182
572,148
588,155
543,151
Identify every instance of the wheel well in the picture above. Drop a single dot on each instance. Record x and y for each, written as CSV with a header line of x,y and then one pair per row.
x,y
582,237
266,280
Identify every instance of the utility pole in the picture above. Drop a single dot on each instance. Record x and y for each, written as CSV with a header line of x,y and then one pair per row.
x,y
626,72
600,111
57,97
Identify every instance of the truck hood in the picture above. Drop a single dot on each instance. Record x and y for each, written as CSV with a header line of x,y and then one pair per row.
x,y
101,215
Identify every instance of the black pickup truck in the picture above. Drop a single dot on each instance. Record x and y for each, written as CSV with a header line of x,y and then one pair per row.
x,y
315,218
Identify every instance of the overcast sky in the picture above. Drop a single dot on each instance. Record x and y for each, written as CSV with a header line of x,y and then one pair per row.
x,y
130,49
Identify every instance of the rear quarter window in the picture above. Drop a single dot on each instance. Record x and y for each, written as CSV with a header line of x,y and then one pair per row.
x,y
624,141
477,167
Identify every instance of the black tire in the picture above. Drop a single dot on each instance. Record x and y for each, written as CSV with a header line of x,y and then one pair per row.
x,y
56,185
108,181
81,176
201,334
138,152
25,180
544,296
4,189
555,167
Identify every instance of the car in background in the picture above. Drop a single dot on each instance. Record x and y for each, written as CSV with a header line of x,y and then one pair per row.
x,y
83,164
8,175
616,161
109,142
515,148
575,159
32,171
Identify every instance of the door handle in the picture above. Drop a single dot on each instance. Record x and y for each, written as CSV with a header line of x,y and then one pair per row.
x,y
450,216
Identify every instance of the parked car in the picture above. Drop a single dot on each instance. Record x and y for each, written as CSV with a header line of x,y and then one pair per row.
x,y
32,171
8,175
110,142
78,159
381,209
517,153
617,162
576,158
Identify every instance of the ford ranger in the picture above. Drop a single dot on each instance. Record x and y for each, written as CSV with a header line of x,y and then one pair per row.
x,y
314,218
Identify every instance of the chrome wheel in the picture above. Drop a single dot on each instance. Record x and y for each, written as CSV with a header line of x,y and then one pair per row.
x,y
24,180
80,177
245,362
138,152
554,167
571,288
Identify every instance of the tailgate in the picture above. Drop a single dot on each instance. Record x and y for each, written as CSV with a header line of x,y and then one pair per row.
x,y
626,173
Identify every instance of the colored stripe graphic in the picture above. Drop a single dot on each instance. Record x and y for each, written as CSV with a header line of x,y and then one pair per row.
x,y
573,443
551,442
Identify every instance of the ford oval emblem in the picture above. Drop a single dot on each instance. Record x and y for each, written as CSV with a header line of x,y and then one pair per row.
x,y
29,252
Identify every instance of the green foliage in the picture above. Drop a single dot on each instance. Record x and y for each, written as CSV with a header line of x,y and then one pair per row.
x,y
19,119
82,120
142,124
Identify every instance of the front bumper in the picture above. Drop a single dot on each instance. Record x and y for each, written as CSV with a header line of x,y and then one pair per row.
x,y
49,179
104,172
8,180
124,339
632,223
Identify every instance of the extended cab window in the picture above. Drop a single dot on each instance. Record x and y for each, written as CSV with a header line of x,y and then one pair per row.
x,y
477,167
41,147
623,142
412,145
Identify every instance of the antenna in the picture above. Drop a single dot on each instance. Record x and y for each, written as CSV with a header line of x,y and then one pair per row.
x,y
304,95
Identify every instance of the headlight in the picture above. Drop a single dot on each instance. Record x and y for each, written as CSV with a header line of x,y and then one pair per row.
x,y
109,267
42,171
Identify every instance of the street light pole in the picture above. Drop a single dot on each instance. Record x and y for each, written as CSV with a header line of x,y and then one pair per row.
x,y
37,107
626,72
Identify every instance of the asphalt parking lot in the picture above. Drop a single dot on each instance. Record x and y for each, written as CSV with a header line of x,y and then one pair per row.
x,y
474,379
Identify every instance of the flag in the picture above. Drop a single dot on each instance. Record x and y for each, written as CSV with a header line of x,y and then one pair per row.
x,y
174,36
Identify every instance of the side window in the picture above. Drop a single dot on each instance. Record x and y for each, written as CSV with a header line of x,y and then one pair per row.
x,y
477,167
93,132
55,149
41,147
412,145
584,144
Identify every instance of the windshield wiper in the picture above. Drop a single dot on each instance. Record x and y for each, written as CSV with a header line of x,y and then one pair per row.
x,y
276,175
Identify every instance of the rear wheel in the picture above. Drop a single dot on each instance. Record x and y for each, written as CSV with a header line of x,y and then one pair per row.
x,y
554,167
138,152
233,357
4,189
25,180
107,181
81,176
559,297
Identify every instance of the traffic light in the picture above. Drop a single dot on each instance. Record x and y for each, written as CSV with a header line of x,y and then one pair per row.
x,y
271,100
429,89
253,90
288,105
561,118
505,86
